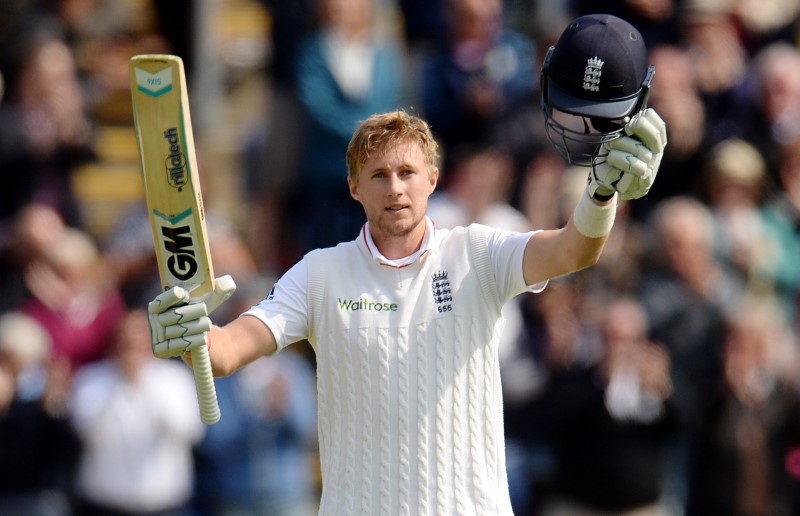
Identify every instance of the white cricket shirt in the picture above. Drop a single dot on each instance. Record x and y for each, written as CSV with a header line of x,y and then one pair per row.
x,y
410,403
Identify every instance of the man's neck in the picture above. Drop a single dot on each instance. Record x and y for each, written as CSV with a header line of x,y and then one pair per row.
x,y
400,247
396,248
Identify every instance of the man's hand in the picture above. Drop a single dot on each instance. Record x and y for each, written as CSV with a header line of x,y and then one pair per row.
x,y
179,323
629,164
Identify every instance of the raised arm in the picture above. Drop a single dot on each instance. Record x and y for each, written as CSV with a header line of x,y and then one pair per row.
x,y
623,168
557,252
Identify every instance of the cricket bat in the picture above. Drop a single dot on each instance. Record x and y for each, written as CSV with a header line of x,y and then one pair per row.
x,y
172,191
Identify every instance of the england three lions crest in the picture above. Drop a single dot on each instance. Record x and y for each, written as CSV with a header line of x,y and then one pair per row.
x,y
442,294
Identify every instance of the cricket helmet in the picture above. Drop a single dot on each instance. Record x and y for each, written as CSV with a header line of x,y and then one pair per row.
x,y
593,80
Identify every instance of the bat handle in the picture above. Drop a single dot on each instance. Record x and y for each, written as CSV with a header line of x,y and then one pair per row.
x,y
204,382
224,287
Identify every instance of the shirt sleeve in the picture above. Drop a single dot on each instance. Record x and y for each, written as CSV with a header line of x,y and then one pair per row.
x,y
506,250
285,309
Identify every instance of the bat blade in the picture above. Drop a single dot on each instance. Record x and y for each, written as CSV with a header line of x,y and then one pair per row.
x,y
172,190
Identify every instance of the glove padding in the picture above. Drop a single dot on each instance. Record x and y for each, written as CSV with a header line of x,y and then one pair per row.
x,y
629,164
179,323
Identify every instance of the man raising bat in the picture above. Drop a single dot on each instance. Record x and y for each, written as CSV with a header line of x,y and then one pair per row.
x,y
405,318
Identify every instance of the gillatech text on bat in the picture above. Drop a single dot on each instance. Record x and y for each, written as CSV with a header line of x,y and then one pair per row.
x,y
176,162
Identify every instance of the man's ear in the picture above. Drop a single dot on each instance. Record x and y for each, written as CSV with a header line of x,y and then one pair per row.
x,y
353,186
434,178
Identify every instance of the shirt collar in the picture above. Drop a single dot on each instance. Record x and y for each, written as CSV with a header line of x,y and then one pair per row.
x,y
428,244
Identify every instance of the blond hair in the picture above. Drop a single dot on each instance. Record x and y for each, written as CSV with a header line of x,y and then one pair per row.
x,y
379,132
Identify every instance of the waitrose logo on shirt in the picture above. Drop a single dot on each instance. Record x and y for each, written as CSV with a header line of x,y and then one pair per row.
x,y
354,305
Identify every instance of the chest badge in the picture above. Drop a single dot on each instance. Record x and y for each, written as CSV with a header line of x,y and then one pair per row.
x,y
442,295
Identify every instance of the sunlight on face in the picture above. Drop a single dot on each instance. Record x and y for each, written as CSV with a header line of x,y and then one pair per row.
x,y
393,187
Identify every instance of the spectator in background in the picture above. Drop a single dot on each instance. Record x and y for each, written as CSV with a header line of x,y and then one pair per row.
x,y
29,233
37,447
719,63
746,461
762,253
608,420
685,291
346,70
137,423
45,132
683,272
73,298
481,82
770,113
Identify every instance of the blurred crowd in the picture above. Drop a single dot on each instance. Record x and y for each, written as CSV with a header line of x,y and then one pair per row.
x,y
664,380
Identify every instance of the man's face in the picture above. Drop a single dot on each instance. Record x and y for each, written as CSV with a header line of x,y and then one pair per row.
x,y
393,187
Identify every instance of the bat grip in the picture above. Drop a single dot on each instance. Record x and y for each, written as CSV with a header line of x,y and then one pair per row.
x,y
224,288
204,382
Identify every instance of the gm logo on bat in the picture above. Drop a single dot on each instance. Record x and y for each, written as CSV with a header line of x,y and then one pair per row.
x,y
178,248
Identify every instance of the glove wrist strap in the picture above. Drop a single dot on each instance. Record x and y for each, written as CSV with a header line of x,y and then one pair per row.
x,y
602,197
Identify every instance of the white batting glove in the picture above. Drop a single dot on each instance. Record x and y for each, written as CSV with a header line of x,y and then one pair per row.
x,y
628,165
179,323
